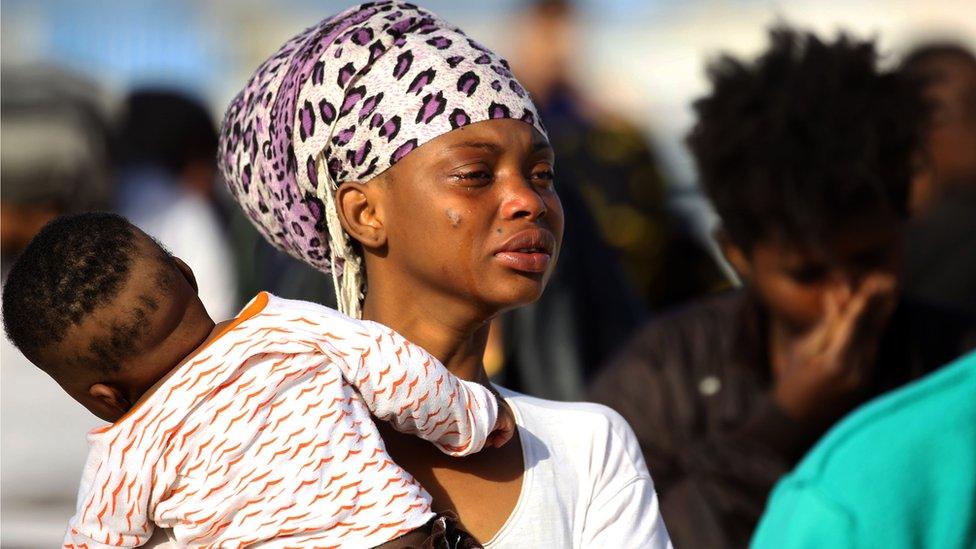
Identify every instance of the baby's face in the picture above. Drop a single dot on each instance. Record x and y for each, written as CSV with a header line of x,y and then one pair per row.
x,y
132,342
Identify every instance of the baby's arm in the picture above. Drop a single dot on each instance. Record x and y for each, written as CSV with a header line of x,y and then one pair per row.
x,y
112,505
403,384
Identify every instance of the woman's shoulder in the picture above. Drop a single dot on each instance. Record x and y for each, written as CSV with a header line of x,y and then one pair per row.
x,y
310,313
585,457
577,417
580,429
277,304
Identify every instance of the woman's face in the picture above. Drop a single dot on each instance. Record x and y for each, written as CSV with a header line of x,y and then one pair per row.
x,y
473,214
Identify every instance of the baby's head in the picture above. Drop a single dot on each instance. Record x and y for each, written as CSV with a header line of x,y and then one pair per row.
x,y
103,309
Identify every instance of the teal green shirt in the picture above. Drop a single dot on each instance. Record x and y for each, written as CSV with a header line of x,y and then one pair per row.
x,y
900,472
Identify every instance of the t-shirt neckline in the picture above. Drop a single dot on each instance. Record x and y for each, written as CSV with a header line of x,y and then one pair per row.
x,y
527,472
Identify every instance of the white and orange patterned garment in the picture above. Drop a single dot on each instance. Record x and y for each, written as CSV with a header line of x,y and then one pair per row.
x,y
266,436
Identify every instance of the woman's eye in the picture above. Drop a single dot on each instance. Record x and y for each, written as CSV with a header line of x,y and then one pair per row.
x,y
546,176
479,175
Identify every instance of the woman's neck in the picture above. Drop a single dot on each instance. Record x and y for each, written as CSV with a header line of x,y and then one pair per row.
x,y
456,338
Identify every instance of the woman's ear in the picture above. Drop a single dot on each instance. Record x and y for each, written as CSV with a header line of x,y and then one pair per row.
x,y
737,257
359,210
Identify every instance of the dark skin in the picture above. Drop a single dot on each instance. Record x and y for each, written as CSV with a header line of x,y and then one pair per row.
x,y
173,330
827,312
431,228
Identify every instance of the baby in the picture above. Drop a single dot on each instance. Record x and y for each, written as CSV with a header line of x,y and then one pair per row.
x,y
254,430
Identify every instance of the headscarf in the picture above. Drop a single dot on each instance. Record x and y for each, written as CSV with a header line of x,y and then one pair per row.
x,y
342,102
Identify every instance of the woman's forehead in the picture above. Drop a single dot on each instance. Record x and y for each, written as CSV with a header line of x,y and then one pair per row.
x,y
494,136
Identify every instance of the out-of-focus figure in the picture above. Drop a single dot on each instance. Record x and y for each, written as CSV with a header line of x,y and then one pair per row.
x,y
807,155
606,159
940,262
55,151
622,252
54,159
262,267
167,184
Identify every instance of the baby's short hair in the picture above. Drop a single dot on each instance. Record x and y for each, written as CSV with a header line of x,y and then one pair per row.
x,y
74,265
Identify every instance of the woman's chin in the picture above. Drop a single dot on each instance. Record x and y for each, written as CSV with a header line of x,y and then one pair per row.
x,y
519,291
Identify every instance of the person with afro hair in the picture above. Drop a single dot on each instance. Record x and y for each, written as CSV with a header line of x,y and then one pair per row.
x,y
806,154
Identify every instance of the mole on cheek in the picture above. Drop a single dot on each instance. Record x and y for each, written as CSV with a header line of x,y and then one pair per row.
x,y
500,231
454,217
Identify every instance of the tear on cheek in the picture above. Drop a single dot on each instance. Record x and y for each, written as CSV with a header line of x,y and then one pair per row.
x,y
454,217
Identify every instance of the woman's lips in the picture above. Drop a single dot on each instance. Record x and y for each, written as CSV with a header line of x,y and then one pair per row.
x,y
532,262
529,250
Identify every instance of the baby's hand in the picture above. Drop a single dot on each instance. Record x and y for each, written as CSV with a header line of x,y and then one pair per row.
x,y
504,426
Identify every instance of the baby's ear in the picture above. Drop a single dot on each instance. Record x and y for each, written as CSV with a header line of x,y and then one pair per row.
x,y
187,273
109,401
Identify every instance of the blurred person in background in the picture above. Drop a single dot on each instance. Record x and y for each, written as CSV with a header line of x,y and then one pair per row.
x,y
623,251
940,255
607,159
167,184
807,155
54,159
261,267
55,148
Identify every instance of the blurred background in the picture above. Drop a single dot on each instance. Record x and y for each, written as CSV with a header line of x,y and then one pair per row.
x,y
115,104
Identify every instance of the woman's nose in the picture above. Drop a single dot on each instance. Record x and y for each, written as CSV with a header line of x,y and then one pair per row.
x,y
521,199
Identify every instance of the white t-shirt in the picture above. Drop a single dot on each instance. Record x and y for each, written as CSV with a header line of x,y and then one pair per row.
x,y
585,483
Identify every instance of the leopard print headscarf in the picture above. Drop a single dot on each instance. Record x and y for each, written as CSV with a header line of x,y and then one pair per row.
x,y
342,102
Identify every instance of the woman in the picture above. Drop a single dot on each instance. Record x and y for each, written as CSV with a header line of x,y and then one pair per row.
x,y
385,147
